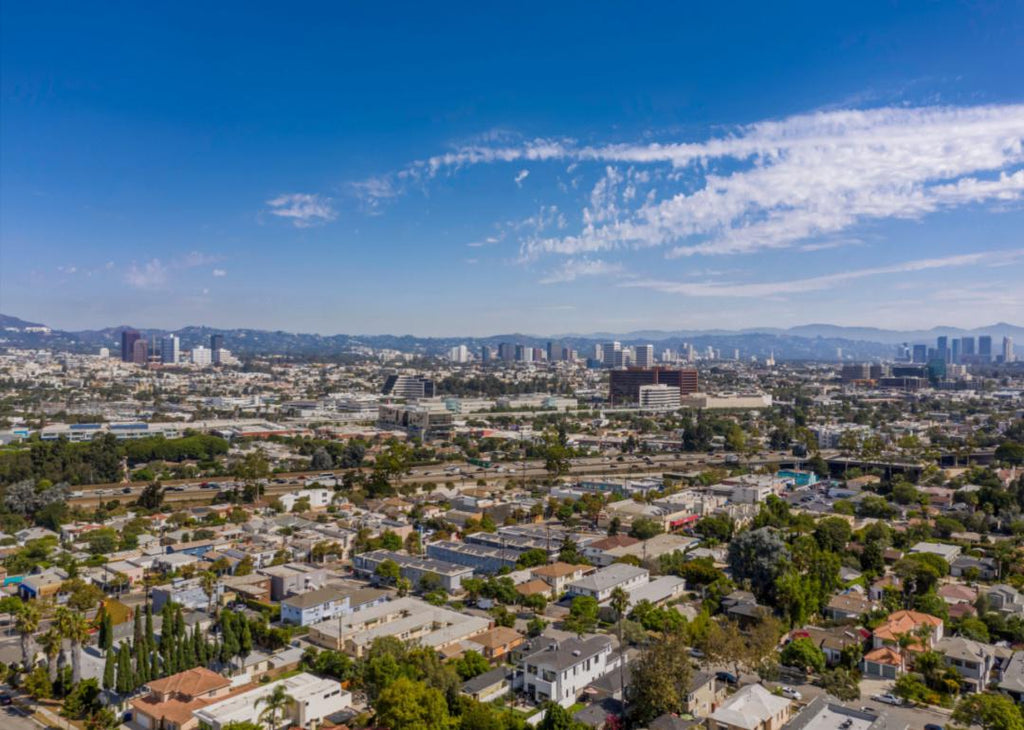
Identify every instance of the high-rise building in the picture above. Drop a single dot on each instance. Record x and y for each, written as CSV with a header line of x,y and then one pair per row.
x,y
128,339
985,348
201,356
216,342
954,353
1008,355
610,350
921,353
967,348
169,350
599,353
554,351
485,354
459,354
140,352
624,385
104,352
506,352
645,356
942,348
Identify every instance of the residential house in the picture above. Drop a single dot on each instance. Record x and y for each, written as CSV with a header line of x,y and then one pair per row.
x,y
291,578
169,702
1005,599
312,607
832,640
416,570
559,575
972,659
949,553
849,606
599,585
825,712
1012,680
496,643
562,670
488,686
978,568
752,708
314,699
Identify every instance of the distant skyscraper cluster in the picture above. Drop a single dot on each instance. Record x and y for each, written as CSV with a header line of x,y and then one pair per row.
x,y
966,350
167,351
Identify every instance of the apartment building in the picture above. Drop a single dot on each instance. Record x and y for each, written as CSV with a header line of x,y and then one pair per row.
x,y
314,699
560,671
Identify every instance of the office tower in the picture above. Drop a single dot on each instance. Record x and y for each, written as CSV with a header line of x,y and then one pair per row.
x,y
921,353
539,354
985,348
128,339
967,351
942,348
201,356
169,350
645,356
623,358
485,354
610,350
140,351
459,354
555,351
954,354
599,353
1008,355
839,354
506,352
216,342
408,386
624,385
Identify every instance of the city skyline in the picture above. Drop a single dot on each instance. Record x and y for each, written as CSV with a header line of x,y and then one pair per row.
x,y
863,168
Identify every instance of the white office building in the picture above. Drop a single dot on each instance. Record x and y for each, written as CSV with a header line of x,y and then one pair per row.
x,y
609,352
201,356
659,397
459,354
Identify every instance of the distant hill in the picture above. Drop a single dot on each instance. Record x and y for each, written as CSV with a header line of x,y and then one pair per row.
x,y
806,342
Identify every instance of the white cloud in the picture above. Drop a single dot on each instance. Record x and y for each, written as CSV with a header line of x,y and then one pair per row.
x,y
150,275
303,209
774,184
219,273
572,269
520,176
820,283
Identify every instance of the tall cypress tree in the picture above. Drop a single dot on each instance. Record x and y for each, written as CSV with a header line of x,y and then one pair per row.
x,y
245,643
109,673
140,638
124,670
150,637
154,665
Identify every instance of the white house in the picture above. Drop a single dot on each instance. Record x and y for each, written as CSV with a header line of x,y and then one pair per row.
x,y
600,584
313,700
314,606
562,670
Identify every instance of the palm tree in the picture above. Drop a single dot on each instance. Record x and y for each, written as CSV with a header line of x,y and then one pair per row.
x,y
74,627
208,581
619,604
27,624
277,701
53,644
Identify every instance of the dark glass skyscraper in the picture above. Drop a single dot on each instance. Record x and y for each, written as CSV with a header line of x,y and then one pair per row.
x,y
216,342
128,339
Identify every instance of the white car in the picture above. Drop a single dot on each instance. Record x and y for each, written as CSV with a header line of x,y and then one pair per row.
x,y
888,698
791,693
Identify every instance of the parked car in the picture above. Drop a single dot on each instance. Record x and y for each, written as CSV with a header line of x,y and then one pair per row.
x,y
727,677
933,726
888,698
5,700
791,693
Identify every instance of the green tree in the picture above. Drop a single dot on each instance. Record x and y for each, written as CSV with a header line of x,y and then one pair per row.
x,y
410,705
841,683
471,664
644,528
660,680
989,710
151,497
27,624
582,618
803,654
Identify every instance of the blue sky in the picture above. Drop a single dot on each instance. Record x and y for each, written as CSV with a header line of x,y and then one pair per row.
x,y
462,170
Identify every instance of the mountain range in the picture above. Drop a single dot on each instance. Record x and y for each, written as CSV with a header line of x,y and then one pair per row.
x,y
804,342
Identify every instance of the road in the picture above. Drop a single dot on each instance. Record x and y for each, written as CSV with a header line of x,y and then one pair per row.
x,y
191,490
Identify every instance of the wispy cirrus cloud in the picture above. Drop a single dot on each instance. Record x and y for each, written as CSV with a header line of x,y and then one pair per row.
x,y
785,287
572,269
303,209
770,185
156,273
